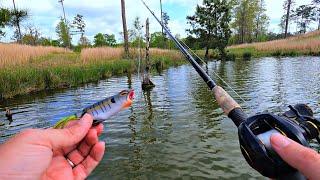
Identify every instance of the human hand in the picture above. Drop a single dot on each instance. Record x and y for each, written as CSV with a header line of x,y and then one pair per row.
x,y
304,159
41,154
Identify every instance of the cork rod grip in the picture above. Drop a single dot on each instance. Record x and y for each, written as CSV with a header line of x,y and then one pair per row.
x,y
225,101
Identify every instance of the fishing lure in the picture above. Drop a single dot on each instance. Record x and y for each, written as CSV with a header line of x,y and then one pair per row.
x,y
102,110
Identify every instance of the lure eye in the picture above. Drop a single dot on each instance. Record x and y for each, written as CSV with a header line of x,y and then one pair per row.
x,y
112,100
123,93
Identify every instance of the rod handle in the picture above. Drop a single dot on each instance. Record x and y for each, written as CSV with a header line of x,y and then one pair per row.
x,y
225,101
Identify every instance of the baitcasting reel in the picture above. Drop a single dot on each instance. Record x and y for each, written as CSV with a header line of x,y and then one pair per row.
x,y
297,124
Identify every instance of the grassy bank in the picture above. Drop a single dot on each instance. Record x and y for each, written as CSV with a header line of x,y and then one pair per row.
x,y
307,44
40,68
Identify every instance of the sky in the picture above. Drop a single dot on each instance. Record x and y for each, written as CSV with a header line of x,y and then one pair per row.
x,y
105,15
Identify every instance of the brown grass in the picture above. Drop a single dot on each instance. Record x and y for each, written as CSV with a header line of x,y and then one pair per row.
x,y
15,54
309,42
101,53
110,53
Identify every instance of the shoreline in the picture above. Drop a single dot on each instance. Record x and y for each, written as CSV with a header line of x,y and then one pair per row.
x,y
33,78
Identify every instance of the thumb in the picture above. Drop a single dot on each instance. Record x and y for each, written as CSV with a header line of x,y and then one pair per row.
x,y
304,159
59,138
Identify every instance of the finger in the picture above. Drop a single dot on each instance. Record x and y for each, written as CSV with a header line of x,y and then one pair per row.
x,y
304,159
88,138
82,170
78,155
71,123
99,128
60,138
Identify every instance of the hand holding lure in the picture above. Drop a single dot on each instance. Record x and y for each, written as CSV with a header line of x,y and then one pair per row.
x,y
102,110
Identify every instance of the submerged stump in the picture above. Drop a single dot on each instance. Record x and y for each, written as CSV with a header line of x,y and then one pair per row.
x,y
147,84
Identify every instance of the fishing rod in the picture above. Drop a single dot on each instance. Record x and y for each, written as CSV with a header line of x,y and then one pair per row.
x,y
225,101
254,132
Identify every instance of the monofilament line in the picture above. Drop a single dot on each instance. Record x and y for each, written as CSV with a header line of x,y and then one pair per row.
x,y
227,84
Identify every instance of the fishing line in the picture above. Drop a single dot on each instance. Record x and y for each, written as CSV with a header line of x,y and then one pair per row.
x,y
227,84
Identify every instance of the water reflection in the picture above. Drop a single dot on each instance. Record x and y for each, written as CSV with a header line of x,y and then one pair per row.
x,y
177,129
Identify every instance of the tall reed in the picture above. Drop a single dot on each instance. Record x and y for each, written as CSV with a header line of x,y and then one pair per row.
x,y
16,54
303,44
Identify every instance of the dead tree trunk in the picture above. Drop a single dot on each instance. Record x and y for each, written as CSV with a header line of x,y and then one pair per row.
x,y
287,18
146,83
125,29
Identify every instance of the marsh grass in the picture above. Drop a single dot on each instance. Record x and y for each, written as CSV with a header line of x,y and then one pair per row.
x,y
307,44
57,68
15,54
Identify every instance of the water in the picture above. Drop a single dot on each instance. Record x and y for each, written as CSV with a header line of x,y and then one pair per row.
x,y
177,130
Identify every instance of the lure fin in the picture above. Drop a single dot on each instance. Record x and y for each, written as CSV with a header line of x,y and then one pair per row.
x,y
62,123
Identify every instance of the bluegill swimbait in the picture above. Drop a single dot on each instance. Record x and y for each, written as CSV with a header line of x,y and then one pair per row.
x,y
102,110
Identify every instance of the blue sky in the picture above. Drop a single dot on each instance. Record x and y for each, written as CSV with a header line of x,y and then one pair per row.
x,y
105,15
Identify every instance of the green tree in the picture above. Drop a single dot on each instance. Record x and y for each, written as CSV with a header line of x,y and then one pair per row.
x,y
99,40
261,21
5,18
110,40
32,36
63,32
211,23
79,28
304,16
45,41
244,22
156,40
18,16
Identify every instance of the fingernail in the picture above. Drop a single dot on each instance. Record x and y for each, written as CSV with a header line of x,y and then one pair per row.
x,y
279,141
103,143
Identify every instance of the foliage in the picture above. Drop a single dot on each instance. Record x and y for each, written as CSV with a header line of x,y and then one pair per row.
x,y
261,21
137,33
63,32
250,21
79,28
104,40
157,40
5,17
304,15
18,16
211,24
32,36
111,39
165,21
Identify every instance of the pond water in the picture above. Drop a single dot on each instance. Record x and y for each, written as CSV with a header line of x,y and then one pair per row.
x,y
177,130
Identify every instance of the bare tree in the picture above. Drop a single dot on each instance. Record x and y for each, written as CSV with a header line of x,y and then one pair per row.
x,y
161,17
125,29
288,5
